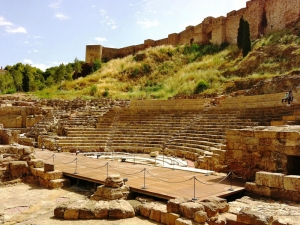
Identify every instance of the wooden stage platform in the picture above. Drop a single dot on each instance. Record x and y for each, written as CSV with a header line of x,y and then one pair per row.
x,y
151,180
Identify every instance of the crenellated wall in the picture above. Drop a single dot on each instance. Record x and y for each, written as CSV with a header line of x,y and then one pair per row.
x,y
264,16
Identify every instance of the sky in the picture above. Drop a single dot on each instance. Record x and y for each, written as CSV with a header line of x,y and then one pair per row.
x,y
46,33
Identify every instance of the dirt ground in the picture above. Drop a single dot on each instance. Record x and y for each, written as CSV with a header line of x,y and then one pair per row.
x,y
25,204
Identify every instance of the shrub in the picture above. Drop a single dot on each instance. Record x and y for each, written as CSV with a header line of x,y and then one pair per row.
x,y
201,86
93,90
105,93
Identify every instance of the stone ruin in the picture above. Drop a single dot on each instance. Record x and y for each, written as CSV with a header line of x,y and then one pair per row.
x,y
114,188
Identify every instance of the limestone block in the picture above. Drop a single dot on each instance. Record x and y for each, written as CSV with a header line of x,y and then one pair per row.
x,y
146,209
36,163
87,210
114,181
220,203
257,189
53,175
58,183
269,179
231,219
108,193
292,183
120,209
200,217
59,211
185,221
156,212
18,169
72,210
210,209
188,209
250,140
39,172
171,218
173,204
48,167
154,154
248,216
101,209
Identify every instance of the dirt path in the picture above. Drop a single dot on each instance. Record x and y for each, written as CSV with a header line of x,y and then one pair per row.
x,y
24,204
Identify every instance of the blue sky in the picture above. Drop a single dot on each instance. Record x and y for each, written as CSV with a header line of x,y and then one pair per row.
x,y
45,33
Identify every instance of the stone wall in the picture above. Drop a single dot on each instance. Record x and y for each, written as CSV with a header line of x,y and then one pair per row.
x,y
276,186
263,16
271,149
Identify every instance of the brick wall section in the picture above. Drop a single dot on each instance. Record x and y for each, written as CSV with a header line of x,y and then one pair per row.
x,y
263,16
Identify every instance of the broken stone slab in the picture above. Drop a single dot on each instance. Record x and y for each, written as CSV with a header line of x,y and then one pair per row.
x,y
269,179
157,211
87,210
108,193
214,205
200,216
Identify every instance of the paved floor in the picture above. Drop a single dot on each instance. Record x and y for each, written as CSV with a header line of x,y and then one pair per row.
x,y
148,179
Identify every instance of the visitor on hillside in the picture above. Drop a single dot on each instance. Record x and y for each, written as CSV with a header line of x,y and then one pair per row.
x,y
290,97
286,97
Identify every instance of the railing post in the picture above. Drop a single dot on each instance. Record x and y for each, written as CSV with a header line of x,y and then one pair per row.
x,y
194,198
144,187
230,189
76,166
107,170
53,157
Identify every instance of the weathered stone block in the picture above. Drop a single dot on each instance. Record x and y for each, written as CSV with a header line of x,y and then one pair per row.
x,y
269,179
36,163
101,209
200,217
146,209
48,167
173,204
87,210
18,169
257,189
58,183
120,209
292,183
248,216
53,175
171,218
188,209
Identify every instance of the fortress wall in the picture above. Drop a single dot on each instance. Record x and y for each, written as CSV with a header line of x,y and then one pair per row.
x,y
173,39
254,15
232,25
140,47
93,52
263,16
161,42
218,30
292,12
275,11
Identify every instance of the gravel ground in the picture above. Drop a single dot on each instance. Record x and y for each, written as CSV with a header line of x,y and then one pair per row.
x,y
25,204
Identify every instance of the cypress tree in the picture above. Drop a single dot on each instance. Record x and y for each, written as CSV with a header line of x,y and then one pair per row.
x,y
246,38
240,33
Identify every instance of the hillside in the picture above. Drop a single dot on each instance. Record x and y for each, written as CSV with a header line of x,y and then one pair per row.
x,y
167,71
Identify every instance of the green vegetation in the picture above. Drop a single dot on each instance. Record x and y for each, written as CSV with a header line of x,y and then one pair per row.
x,y
165,71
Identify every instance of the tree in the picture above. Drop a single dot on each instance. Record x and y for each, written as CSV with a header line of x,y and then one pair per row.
x,y
77,67
96,65
243,36
246,39
240,33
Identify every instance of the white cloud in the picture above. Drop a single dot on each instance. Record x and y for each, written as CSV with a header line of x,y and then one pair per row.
x,y
15,30
34,50
102,12
4,22
42,66
55,5
61,16
146,23
100,39
37,37
28,61
114,27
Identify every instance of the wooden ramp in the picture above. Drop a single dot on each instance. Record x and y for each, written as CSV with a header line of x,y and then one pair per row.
x,y
165,183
